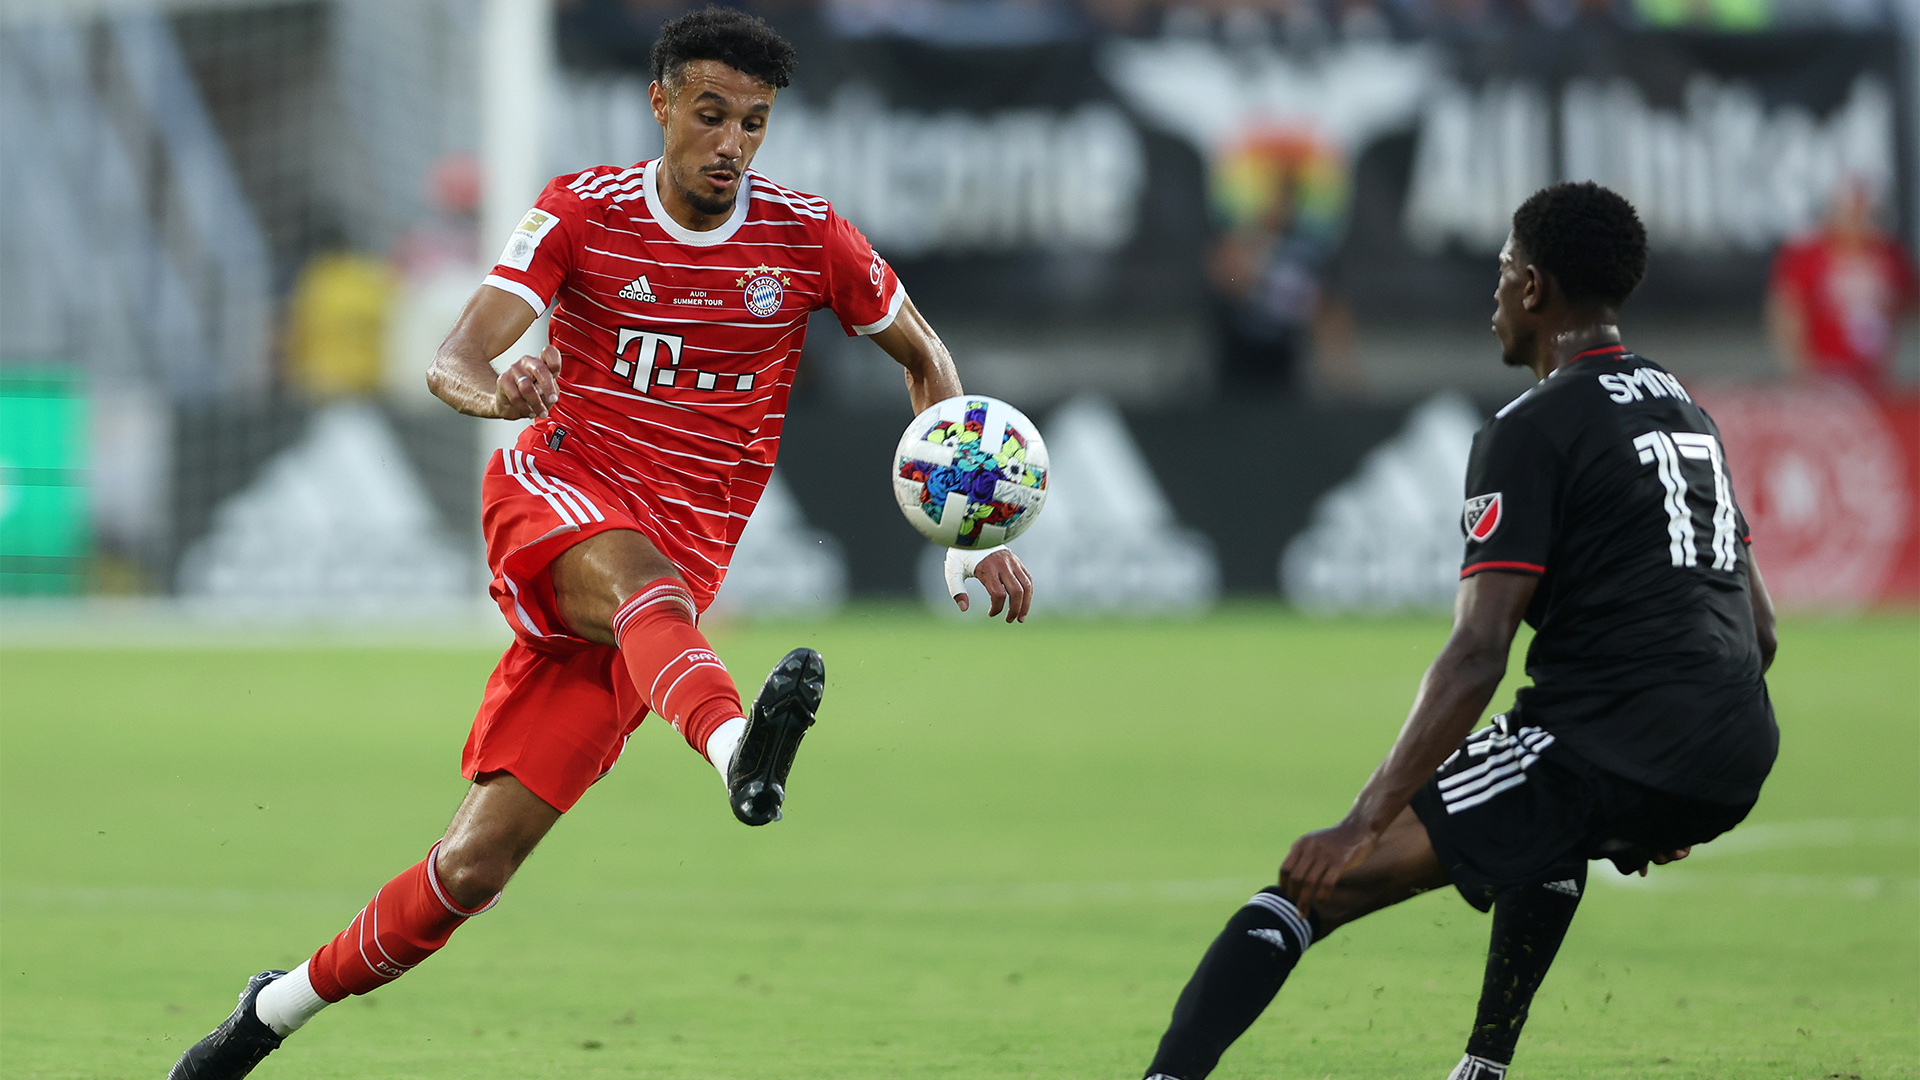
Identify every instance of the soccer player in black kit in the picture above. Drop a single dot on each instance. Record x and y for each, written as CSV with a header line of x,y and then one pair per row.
x,y
1599,509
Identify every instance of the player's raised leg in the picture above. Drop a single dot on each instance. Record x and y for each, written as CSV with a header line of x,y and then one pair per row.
x,y
1529,923
408,920
616,588
1245,966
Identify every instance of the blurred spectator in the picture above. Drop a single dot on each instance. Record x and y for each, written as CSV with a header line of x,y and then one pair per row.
x,y
956,22
438,262
1122,16
1714,14
450,236
337,322
1837,294
1362,20
617,33
1282,200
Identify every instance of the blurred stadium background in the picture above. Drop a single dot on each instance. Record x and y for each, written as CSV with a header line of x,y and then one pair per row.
x,y
1236,259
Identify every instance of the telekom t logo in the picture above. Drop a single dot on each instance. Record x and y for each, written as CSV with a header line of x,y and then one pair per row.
x,y
640,370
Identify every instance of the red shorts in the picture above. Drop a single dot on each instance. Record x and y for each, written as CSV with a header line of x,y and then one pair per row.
x,y
558,708
556,719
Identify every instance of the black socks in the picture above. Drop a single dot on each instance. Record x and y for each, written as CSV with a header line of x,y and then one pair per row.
x,y
1529,923
1236,980
1245,966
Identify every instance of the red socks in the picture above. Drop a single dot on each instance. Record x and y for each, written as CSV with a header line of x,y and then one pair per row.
x,y
672,665
405,922
411,916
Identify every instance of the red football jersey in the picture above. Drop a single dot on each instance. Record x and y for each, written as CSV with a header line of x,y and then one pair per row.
x,y
1849,298
678,347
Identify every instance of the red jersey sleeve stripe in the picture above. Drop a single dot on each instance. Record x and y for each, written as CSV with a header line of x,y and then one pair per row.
x,y
1524,567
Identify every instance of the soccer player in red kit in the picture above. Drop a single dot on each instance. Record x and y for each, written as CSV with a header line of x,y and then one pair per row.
x,y
680,290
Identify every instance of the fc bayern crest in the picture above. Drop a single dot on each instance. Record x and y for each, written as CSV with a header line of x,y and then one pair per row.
x,y
1482,516
765,289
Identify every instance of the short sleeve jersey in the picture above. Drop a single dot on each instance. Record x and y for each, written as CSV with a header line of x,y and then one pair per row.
x,y
1850,298
678,347
1611,485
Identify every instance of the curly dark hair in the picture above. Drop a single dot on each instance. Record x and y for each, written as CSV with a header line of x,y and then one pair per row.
x,y
741,41
1587,237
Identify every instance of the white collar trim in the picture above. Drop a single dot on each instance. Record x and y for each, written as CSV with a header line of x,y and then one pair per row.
x,y
1524,395
689,236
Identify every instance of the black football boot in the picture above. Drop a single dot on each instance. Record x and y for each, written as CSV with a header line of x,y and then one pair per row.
x,y
781,715
231,1050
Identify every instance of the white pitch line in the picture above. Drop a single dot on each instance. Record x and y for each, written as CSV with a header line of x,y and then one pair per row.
x,y
1049,894
1827,833
1776,836
1816,886
158,898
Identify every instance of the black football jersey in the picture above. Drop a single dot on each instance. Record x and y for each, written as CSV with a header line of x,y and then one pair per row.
x,y
1608,482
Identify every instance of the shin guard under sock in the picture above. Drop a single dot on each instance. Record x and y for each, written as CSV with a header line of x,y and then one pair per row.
x,y
1236,980
1529,923
671,663
405,922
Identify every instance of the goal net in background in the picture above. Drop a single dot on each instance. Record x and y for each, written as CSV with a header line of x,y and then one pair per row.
x,y
231,230
236,231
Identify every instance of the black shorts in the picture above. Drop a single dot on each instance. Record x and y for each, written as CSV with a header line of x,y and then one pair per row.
x,y
1514,807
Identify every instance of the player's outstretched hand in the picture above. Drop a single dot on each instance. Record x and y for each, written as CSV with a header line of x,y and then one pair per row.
x,y
1007,582
1318,859
1665,857
528,386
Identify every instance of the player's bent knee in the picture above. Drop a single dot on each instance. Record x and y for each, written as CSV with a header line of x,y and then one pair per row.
x,y
472,876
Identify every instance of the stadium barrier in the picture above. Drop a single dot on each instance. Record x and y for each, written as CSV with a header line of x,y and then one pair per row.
x,y
1337,507
1357,507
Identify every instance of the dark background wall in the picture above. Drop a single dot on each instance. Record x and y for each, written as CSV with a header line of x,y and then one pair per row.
x,y
1246,474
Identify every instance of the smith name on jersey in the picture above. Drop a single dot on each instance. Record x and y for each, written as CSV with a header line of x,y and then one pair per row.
x,y
678,347
1610,483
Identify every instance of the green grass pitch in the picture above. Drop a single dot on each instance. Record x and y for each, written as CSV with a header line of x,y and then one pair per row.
x,y
1006,848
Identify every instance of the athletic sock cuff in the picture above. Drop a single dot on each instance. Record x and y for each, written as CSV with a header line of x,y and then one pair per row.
x,y
324,984
1475,1067
288,1002
1271,900
709,718
666,592
440,892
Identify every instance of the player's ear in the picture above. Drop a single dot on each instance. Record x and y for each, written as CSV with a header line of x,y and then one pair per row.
x,y
661,100
1533,294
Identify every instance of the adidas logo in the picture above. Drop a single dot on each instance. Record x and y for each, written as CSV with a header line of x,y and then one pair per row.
x,y
1272,937
1477,1068
1568,887
638,289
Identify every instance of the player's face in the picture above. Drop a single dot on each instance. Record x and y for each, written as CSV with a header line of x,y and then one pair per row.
x,y
1512,321
714,120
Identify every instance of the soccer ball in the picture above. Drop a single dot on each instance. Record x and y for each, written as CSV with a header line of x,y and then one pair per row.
x,y
971,472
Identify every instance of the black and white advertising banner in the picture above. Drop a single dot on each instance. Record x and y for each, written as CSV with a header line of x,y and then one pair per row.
x,y
1726,144
1086,178
1004,181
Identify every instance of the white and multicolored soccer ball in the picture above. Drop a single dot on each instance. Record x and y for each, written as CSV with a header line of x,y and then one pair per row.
x,y
971,472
